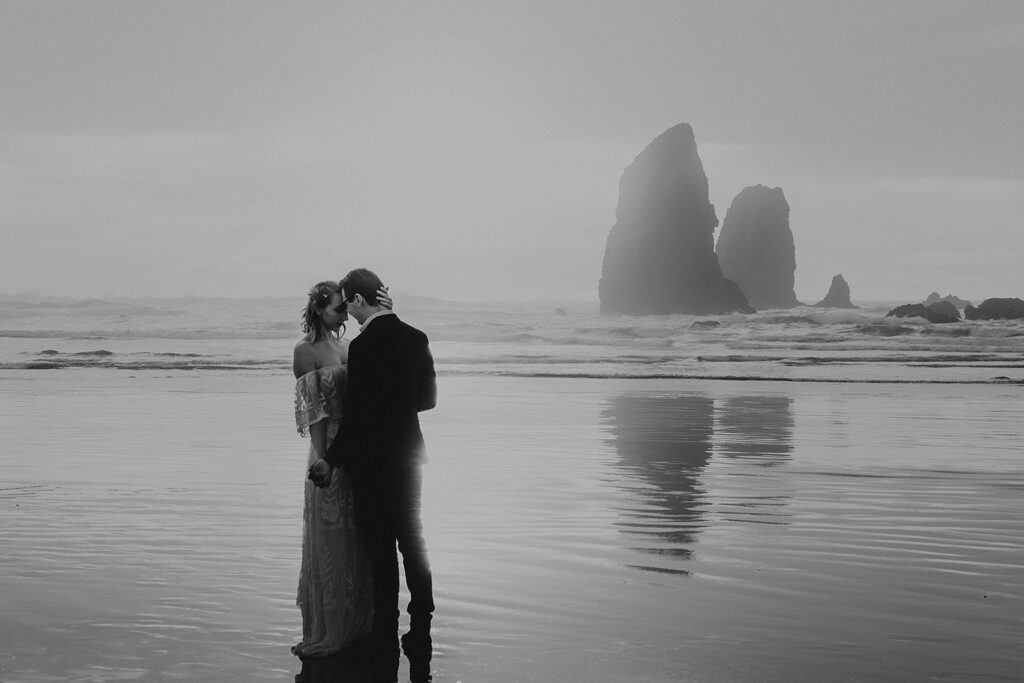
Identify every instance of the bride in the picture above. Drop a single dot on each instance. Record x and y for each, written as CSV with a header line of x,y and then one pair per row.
x,y
335,593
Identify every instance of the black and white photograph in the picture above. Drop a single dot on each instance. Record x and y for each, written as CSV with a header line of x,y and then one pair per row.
x,y
663,341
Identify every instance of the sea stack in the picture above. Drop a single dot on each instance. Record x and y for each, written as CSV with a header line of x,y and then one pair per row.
x,y
838,295
660,255
756,250
938,312
1008,308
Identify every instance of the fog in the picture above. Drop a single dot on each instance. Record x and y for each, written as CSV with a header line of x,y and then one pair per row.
x,y
473,151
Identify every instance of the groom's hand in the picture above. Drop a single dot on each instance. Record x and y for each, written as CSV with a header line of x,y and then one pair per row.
x,y
321,473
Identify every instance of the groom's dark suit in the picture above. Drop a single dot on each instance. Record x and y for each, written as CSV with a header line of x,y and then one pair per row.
x,y
390,380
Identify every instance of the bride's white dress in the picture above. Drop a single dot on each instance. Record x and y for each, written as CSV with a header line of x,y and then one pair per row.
x,y
335,589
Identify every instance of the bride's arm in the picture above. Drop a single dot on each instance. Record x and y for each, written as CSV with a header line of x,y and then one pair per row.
x,y
321,472
318,436
303,362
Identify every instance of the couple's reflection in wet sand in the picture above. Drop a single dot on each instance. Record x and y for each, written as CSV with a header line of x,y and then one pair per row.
x,y
336,669
351,665
665,443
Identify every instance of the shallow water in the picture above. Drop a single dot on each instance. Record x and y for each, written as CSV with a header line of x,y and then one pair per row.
x,y
579,529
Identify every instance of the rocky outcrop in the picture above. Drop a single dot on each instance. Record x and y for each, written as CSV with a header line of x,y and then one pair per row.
x,y
933,313
959,303
755,248
660,254
838,295
996,309
944,307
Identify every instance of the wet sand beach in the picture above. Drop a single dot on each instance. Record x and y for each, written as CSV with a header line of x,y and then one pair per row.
x,y
579,529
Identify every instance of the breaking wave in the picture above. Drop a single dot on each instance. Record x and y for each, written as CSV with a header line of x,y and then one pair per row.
x,y
802,344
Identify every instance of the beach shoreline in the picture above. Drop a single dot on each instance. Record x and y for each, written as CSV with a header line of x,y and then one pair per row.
x,y
648,530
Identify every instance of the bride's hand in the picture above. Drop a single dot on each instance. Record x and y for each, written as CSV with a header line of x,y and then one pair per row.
x,y
384,298
321,473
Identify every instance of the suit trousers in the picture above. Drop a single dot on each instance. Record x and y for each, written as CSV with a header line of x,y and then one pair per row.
x,y
388,510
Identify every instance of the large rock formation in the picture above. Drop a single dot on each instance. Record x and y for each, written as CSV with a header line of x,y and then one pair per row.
x,y
944,307
660,254
755,248
996,309
938,312
838,295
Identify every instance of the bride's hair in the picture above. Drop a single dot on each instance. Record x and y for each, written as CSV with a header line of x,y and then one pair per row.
x,y
319,297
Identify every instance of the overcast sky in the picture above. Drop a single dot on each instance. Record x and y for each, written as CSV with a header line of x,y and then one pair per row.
x,y
472,150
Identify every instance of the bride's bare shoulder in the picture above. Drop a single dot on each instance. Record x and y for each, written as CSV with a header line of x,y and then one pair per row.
x,y
303,358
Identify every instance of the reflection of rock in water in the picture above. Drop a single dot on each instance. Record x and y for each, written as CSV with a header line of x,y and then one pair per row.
x,y
664,443
759,428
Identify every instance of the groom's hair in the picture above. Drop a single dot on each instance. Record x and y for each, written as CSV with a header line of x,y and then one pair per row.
x,y
361,281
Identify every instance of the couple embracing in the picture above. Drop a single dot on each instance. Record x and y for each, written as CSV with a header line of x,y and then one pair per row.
x,y
359,403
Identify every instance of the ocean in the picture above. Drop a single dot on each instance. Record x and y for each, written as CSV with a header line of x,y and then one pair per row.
x,y
799,495
526,340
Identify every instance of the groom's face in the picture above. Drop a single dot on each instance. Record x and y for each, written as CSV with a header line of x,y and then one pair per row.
x,y
356,306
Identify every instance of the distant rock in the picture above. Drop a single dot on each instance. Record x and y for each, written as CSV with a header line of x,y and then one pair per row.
x,y
660,254
932,313
945,308
996,309
705,324
755,248
907,311
838,295
955,300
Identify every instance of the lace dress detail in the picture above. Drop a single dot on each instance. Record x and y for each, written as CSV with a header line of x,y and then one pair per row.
x,y
335,590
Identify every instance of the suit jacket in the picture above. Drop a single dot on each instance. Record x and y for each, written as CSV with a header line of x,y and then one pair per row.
x,y
390,380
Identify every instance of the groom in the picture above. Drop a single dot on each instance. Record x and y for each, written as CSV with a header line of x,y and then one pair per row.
x,y
390,380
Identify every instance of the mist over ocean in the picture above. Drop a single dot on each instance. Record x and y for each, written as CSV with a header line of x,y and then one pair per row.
x,y
794,495
525,339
